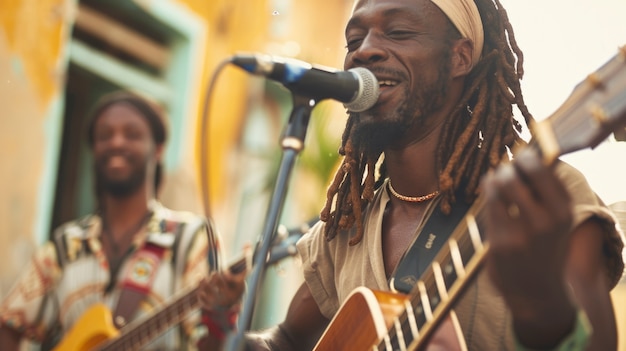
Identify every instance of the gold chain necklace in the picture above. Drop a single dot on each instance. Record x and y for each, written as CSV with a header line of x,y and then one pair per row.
x,y
412,198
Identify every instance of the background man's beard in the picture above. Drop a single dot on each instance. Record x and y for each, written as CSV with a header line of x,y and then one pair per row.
x,y
121,188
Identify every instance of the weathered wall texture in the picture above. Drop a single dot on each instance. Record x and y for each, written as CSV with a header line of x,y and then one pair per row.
x,y
32,37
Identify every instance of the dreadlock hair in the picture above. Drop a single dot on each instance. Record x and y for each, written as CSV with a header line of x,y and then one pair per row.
x,y
482,138
148,110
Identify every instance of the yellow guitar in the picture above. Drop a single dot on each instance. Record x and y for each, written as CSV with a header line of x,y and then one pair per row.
x,y
376,320
95,329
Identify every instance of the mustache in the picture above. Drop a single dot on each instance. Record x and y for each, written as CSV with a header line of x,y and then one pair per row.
x,y
389,72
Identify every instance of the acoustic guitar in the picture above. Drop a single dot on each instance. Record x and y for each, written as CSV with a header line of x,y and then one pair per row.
x,y
377,320
95,329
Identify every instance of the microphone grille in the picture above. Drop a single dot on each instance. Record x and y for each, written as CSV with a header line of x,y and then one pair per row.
x,y
368,90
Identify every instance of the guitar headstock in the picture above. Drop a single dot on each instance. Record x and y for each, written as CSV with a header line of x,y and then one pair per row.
x,y
595,109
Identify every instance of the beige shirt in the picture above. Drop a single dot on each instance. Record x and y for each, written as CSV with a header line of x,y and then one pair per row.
x,y
334,269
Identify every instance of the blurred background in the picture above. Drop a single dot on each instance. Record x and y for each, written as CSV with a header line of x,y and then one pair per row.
x,y
58,56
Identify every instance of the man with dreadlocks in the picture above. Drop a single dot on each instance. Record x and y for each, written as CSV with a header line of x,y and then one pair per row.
x,y
449,74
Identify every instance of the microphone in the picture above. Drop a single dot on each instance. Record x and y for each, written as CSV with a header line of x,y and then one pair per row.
x,y
357,88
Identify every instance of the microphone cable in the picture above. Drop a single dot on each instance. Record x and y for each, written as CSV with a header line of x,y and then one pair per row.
x,y
204,136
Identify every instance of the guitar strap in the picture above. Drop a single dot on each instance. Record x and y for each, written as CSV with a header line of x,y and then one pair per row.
x,y
142,271
435,233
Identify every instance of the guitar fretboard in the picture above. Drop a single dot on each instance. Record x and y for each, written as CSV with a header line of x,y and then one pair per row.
x,y
440,284
139,333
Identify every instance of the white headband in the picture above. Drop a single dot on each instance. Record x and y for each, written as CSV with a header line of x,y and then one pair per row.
x,y
466,18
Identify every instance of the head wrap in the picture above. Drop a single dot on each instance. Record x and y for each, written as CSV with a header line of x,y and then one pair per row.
x,y
466,18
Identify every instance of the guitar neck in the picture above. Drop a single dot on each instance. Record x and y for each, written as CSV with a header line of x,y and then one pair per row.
x,y
142,331
441,284
139,333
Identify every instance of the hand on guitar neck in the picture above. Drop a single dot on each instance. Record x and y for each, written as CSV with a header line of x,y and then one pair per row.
x,y
220,298
528,227
223,290
529,218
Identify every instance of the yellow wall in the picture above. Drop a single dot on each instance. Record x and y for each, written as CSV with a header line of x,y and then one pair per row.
x,y
232,26
38,45
249,26
32,39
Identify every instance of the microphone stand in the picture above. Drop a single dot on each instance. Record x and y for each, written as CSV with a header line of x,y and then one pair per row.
x,y
292,144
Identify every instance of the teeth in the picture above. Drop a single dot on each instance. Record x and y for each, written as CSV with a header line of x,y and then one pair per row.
x,y
117,161
387,82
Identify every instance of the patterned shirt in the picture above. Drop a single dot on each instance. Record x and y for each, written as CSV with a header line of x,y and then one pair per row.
x,y
70,274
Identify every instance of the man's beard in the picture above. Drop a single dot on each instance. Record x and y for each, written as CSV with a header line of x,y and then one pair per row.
x,y
373,136
121,188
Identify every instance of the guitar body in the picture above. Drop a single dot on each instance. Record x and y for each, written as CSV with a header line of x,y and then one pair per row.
x,y
365,317
361,318
93,328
